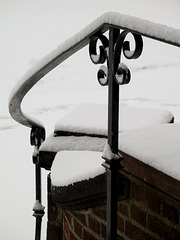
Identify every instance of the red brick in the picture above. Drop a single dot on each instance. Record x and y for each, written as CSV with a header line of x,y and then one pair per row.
x,y
54,212
119,237
103,231
66,230
81,217
146,197
136,233
88,236
65,237
170,212
53,231
94,224
101,213
162,229
123,209
72,237
120,224
67,216
78,229
138,215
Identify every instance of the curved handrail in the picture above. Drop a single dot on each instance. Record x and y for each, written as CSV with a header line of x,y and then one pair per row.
x,y
100,25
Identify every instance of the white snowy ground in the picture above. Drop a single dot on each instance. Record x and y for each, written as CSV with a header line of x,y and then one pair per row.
x,y
31,29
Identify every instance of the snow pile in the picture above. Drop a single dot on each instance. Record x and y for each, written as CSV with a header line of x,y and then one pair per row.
x,y
86,118
38,206
69,167
108,154
157,146
56,144
92,119
137,117
141,136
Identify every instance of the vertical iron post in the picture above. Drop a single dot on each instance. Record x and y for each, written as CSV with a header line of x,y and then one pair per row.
x,y
113,95
37,136
38,181
38,213
116,74
112,165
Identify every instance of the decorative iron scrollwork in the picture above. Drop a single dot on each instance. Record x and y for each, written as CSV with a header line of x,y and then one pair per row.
x,y
36,138
123,75
102,56
121,72
102,75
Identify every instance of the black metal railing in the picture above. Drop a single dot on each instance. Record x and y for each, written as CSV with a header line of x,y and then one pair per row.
x,y
114,74
36,138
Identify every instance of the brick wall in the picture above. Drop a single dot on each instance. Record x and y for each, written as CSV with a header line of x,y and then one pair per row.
x,y
55,219
148,214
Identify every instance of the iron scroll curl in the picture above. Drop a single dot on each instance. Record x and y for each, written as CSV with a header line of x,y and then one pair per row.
x,y
121,72
102,56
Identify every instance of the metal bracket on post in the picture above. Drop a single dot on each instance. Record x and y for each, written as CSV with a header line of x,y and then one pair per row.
x,y
37,137
115,74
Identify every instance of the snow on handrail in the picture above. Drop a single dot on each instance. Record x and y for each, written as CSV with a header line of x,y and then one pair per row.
x,y
65,50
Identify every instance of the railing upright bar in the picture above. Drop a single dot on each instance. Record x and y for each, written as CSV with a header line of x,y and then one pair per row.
x,y
37,137
113,95
38,181
112,165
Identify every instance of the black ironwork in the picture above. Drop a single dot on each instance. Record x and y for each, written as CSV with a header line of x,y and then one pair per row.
x,y
115,74
37,137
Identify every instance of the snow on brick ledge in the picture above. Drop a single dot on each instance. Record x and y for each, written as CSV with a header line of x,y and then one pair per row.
x,y
157,146
75,166
69,143
92,119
